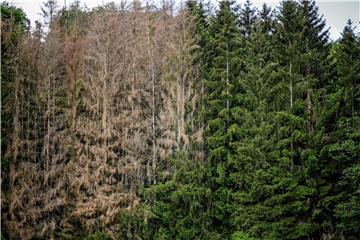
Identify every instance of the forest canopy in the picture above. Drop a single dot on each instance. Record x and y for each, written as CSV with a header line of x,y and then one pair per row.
x,y
135,120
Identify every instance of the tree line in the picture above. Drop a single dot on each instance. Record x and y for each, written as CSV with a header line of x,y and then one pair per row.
x,y
179,121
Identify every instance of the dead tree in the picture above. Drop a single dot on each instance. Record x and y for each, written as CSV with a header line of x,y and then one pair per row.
x,y
98,173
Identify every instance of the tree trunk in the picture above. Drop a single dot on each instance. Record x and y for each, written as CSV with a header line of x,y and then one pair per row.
x,y
227,87
291,107
152,72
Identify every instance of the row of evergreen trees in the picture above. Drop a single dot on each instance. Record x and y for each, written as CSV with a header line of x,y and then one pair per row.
x,y
267,131
280,110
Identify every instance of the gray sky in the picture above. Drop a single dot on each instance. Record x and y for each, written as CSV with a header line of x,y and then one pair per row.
x,y
336,12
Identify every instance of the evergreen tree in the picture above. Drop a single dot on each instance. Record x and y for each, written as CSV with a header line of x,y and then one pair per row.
x,y
247,19
348,67
221,81
314,25
266,19
249,137
200,33
224,98
285,205
338,138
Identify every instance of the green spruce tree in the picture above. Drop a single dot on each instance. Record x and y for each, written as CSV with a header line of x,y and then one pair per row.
x,y
224,96
338,139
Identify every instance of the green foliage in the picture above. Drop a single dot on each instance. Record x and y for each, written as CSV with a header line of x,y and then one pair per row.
x,y
348,210
180,209
247,19
16,15
241,236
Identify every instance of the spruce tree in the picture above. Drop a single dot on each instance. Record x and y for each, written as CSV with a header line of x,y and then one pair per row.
x,y
252,117
338,138
247,19
315,30
266,19
281,197
223,96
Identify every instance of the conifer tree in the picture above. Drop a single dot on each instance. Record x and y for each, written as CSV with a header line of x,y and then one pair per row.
x,y
200,34
338,140
314,25
286,189
266,19
247,19
253,123
223,99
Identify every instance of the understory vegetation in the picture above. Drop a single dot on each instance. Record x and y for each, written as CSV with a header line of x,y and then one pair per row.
x,y
179,121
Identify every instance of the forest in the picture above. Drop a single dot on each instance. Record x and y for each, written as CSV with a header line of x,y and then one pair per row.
x,y
179,120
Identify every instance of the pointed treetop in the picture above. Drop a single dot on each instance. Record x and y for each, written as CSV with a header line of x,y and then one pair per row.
x,y
315,25
348,36
266,18
247,18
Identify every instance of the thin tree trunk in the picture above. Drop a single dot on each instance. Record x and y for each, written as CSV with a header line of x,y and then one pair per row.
x,y
152,103
291,107
352,99
291,87
73,99
309,109
16,123
202,126
227,86
181,94
48,125
105,111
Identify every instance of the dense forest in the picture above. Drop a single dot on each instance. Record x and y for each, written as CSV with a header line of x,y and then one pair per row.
x,y
192,120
